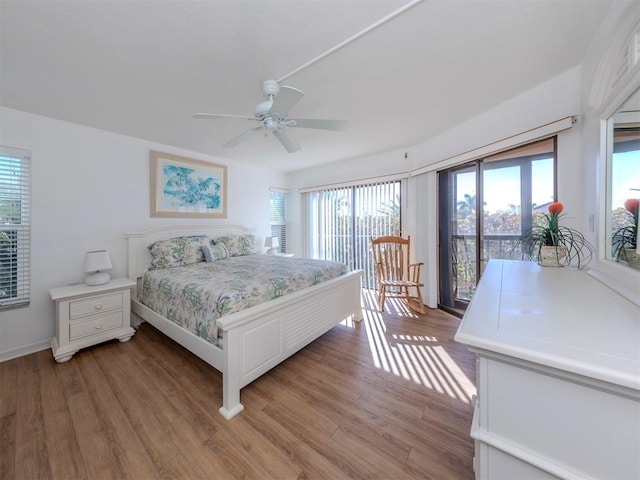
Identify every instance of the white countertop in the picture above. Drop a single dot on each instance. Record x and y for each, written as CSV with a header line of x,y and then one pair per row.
x,y
558,317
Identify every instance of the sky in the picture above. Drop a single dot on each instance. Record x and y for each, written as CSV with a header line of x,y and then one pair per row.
x,y
625,177
502,186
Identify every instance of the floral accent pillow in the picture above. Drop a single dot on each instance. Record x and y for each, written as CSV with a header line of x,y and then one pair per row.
x,y
238,245
177,251
214,253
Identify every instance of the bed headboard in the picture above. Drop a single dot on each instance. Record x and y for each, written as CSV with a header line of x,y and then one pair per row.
x,y
139,256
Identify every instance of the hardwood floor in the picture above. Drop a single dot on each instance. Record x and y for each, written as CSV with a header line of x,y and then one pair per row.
x,y
388,398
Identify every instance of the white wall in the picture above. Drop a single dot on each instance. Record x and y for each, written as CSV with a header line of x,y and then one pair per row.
x,y
89,188
557,98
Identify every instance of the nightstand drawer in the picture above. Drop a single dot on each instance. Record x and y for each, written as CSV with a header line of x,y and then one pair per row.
x,y
96,304
96,325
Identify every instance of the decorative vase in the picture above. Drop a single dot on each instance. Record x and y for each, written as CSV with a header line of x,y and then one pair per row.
x,y
552,256
632,257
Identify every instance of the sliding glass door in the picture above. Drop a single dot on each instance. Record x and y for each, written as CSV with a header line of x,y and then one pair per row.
x,y
458,235
343,220
484,207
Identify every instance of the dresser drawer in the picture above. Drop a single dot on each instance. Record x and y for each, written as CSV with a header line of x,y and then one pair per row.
x,y
95,304
556,417
95,324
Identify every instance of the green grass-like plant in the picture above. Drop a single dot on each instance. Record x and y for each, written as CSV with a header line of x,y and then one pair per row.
x,y
550,233
625,238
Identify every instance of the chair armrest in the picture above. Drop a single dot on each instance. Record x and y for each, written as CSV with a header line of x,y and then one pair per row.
x,y
414,271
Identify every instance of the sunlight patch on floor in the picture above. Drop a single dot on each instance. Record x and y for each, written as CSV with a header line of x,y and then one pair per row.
x,y
393,306
349,322
417,358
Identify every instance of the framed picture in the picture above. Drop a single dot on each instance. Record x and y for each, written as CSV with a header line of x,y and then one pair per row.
x,y
183,187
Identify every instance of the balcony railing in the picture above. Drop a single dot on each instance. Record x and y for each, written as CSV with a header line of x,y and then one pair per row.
x,y
465,259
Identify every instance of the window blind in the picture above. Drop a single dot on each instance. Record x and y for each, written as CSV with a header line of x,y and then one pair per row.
x,y
15,227
278,200
342,221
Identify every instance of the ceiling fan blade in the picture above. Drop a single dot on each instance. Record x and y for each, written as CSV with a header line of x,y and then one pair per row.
x,y
243,136
318,123
287,142
283,102
221,115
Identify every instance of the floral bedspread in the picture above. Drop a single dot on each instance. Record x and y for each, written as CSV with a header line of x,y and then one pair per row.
x,y
195,296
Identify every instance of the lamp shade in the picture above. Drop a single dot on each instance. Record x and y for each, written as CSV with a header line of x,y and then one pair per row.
x,y
272,243
95,262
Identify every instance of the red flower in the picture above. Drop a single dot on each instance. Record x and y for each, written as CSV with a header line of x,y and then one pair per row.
x,y
556,207
633,204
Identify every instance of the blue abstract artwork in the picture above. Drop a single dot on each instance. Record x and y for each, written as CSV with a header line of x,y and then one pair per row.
x,y
190,187
183,187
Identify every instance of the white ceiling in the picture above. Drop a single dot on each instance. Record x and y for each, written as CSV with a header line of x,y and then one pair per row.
x,y
142,68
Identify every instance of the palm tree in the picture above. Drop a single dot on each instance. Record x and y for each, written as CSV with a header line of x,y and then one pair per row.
x,y
467,206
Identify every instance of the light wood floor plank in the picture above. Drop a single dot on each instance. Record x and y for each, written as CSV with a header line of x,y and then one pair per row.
x,y
343,411
99,459
314,464
8,408
32,454
386,398
148,428
8,446
8,387
263,451
192,446
375,453
179,468
61,438
129,454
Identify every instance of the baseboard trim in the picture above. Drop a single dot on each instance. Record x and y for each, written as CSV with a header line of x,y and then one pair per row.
x,y
24,350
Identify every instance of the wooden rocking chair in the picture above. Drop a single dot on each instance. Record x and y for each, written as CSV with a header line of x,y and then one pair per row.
x,y
395,273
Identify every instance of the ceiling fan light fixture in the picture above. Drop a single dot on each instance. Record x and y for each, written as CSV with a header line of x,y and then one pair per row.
x,y
271,124
272,114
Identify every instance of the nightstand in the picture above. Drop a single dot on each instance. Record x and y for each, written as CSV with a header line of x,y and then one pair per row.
x,y
87,315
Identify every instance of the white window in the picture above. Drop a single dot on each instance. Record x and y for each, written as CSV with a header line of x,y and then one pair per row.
x,y
278,204
15,226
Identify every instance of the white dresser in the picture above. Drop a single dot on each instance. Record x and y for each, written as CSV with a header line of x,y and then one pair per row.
x,y
558,375
87,315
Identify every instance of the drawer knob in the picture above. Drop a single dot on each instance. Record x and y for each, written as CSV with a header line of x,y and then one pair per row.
x,y
98,326
98,306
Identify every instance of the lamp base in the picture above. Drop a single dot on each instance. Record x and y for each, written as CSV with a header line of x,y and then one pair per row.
x,y
98,278
272,251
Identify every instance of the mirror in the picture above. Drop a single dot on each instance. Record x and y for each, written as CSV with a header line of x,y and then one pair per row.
x,y
623,183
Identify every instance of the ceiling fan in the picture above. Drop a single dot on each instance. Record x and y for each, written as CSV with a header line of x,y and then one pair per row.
x,y
272,115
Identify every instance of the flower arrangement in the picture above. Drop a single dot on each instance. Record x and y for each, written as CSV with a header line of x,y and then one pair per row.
x,y
550,243
624,241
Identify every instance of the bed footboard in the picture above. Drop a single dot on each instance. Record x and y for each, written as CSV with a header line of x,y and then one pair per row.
x,y
254,345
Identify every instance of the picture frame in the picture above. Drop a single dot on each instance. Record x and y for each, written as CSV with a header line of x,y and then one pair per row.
x,y
182,187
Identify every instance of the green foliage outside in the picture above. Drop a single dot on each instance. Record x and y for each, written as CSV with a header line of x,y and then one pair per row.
x,y
10,214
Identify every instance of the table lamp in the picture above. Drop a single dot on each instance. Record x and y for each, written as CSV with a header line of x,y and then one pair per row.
x,y
95,262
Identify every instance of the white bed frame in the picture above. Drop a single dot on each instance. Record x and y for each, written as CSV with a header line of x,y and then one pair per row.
x,y
259,338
